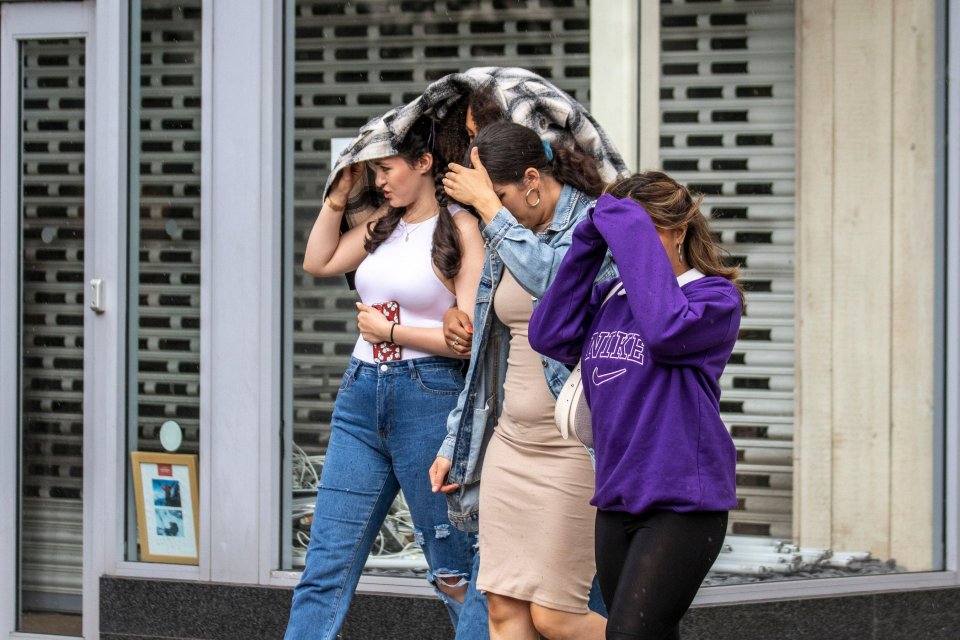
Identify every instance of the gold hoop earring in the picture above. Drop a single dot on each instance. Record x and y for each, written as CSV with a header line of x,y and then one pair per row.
x,y
526,197
680,251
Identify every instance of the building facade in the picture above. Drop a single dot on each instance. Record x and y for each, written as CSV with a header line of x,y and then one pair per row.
x,y
161,164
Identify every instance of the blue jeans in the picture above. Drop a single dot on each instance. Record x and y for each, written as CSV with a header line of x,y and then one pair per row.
x,y
388,422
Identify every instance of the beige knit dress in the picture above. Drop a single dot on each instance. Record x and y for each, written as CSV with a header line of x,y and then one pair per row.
x,y
536,523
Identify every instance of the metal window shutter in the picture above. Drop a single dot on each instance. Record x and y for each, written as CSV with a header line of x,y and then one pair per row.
x,y
52,162
354,61
727,130
167,226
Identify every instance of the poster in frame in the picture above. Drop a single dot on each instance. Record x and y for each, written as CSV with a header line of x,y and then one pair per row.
x,y
166,493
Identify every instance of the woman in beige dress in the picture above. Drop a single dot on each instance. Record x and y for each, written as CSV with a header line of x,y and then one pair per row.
x,y
536,535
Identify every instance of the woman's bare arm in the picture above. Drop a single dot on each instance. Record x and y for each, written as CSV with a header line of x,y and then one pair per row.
x,y
329,253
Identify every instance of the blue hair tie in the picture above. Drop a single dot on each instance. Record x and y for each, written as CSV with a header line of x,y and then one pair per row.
x,y
548,150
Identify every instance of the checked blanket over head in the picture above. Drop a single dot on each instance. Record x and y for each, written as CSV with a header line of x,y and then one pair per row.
x,y
525,97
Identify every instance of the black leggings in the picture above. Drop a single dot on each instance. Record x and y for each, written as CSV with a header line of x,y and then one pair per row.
x,y
650,567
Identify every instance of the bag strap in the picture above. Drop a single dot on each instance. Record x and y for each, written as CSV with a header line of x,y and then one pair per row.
x,y
572,390
614,290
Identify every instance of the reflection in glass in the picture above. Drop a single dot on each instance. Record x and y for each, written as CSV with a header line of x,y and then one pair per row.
x,y
164,224
352,62
727,130
51,326
729,110
844,487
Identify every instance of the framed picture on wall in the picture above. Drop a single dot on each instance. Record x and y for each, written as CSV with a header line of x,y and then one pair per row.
x,y
165,487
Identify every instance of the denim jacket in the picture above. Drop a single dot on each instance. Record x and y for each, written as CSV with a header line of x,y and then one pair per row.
x,y
533,259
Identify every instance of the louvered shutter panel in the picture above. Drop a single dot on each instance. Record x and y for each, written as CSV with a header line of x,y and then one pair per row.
x,y
727,130
52,164
166,267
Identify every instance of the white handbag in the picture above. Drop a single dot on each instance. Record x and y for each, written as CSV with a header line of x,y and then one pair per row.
x,y
571,409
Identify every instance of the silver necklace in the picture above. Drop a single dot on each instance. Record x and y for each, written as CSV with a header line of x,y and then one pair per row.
x,y
410,229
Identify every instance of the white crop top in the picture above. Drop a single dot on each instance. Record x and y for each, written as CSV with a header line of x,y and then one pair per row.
x,y
401,269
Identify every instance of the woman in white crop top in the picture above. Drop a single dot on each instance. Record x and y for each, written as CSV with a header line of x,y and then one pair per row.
x,y
391,409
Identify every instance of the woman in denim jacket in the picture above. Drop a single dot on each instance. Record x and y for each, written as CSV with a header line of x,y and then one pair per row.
x,y
536,555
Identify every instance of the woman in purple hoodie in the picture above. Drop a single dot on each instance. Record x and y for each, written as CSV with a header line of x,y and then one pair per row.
x,y
651,356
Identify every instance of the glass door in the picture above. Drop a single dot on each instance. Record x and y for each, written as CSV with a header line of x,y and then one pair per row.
x,y
44,300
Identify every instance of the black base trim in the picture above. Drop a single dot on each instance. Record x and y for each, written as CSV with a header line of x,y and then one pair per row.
x,y
153,609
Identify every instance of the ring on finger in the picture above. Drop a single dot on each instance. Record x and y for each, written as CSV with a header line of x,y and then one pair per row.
x,y
456,342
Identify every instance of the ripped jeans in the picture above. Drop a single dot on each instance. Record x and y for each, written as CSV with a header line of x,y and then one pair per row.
x,y
388,422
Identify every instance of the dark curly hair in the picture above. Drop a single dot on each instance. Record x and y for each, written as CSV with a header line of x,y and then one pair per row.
x,y
452,139
508,149
445,250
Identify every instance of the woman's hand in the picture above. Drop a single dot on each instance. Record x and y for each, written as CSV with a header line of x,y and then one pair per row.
x,y
458,330
374,326
472,186
438,475
340,190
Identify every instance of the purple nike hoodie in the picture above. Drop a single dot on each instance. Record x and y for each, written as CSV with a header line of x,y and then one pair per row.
x,y
652,359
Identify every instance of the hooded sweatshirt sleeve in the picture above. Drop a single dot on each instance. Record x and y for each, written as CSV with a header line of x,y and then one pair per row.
x,y
559,323
679,326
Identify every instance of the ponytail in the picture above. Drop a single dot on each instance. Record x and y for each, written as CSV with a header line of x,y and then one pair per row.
x,y
446,250
508,149
578,170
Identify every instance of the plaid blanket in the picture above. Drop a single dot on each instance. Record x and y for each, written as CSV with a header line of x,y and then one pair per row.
x,y
526,98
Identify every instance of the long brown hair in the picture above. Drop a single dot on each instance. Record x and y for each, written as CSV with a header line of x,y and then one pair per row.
x,y
508,149
445,249
672,206
452,138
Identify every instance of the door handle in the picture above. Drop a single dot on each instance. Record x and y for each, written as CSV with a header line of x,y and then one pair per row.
x,y
96,295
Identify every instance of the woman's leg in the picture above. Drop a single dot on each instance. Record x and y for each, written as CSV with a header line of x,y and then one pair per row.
x,y
510,619
423,398
668,557
611,544
472,624
554,624
595,599
356,489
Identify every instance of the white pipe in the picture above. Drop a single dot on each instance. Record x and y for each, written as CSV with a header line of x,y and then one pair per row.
x,y
375,562
814,556
743,569
836,562
754,541
767,558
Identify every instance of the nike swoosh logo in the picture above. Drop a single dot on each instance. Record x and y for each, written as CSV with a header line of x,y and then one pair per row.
x,y
600,378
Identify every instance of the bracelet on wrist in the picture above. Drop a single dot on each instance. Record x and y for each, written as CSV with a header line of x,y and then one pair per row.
x,y
392,327
330,204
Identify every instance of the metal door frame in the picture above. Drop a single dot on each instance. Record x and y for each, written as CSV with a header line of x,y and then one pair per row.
x,y
28,21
